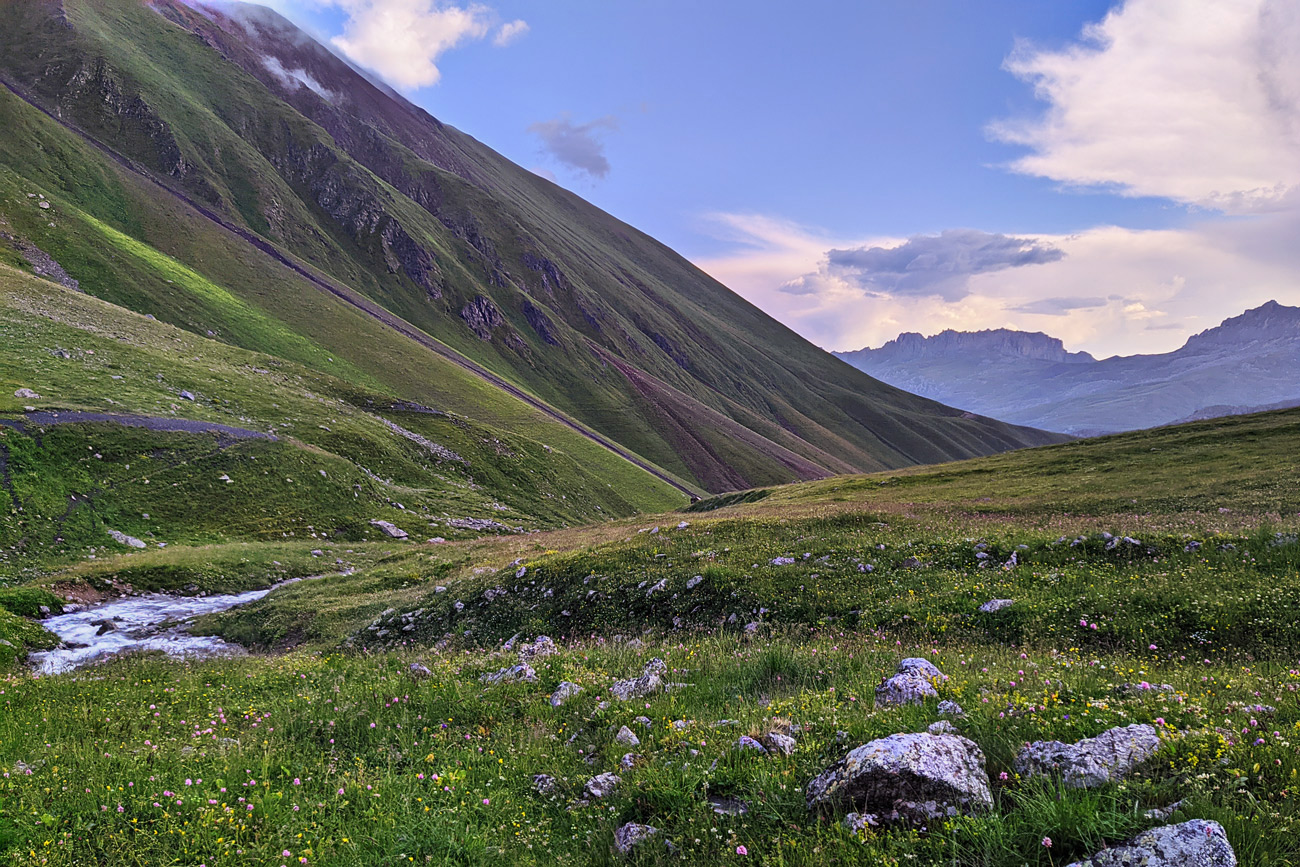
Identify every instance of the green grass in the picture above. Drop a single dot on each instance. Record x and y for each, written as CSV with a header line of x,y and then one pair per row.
x,y
1218,623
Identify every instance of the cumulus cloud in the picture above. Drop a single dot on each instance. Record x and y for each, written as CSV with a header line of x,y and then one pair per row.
x,y
1195,102
509,32
935,264
578,146
403,39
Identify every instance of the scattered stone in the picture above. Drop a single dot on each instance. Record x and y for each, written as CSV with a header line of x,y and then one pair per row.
x,y
540,646
996,605
632,835
779,743
1192,546
1091,762
728,806
1129,690
1162,813
910,688
390,530
105,626
627,737
658,587
544,784
601,786
910,777
683,525
948,707
942,727
418,671
630,761
923,667
692,583
781,561
748,743
123,539
187,395
521,673
27,394
1197,843
564,692
643,721
856,823
911,563
651,681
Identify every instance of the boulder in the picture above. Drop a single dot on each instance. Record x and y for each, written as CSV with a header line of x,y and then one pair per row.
x,y
627,737
1091,762
910,777
629,836
1197,843
564,692
650,682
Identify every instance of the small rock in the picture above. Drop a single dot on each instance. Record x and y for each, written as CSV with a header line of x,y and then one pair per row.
x,y
1162,813
911,563
950,708
123,539
748,743
187,395
694,582
779,743
564,692
856,823
629,836
418,671
540,646
781,561
910,688
627,737
996,605
521,673
630,761
1197,843
544,784
650,682
27,393
942,727
728,806
390,530
601,786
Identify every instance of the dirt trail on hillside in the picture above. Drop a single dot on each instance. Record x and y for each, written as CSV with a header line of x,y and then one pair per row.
x,y
354,298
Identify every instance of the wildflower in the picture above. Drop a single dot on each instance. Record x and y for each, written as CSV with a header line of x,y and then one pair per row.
x,y
485,802
1047,842
741,850
1152,647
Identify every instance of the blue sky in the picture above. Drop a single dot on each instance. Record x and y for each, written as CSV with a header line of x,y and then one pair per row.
x,y
792,150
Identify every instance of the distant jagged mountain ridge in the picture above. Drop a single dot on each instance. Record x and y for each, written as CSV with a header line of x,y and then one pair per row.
x,y
1247,363
999,341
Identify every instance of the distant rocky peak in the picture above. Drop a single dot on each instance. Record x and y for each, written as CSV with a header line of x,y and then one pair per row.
x,y
1001,342
1268,321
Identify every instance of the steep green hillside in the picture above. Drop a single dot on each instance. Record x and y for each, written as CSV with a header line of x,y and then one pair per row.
x,y
520,276
149,430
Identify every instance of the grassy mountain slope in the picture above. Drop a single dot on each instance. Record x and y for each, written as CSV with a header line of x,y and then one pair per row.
x,y
517,274
299,453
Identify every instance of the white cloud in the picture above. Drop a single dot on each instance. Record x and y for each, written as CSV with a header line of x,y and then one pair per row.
x,y
509,32
1195,102
1114,291
403,39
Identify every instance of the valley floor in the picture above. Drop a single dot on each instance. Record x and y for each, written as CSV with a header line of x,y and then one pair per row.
x,y
1154,579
